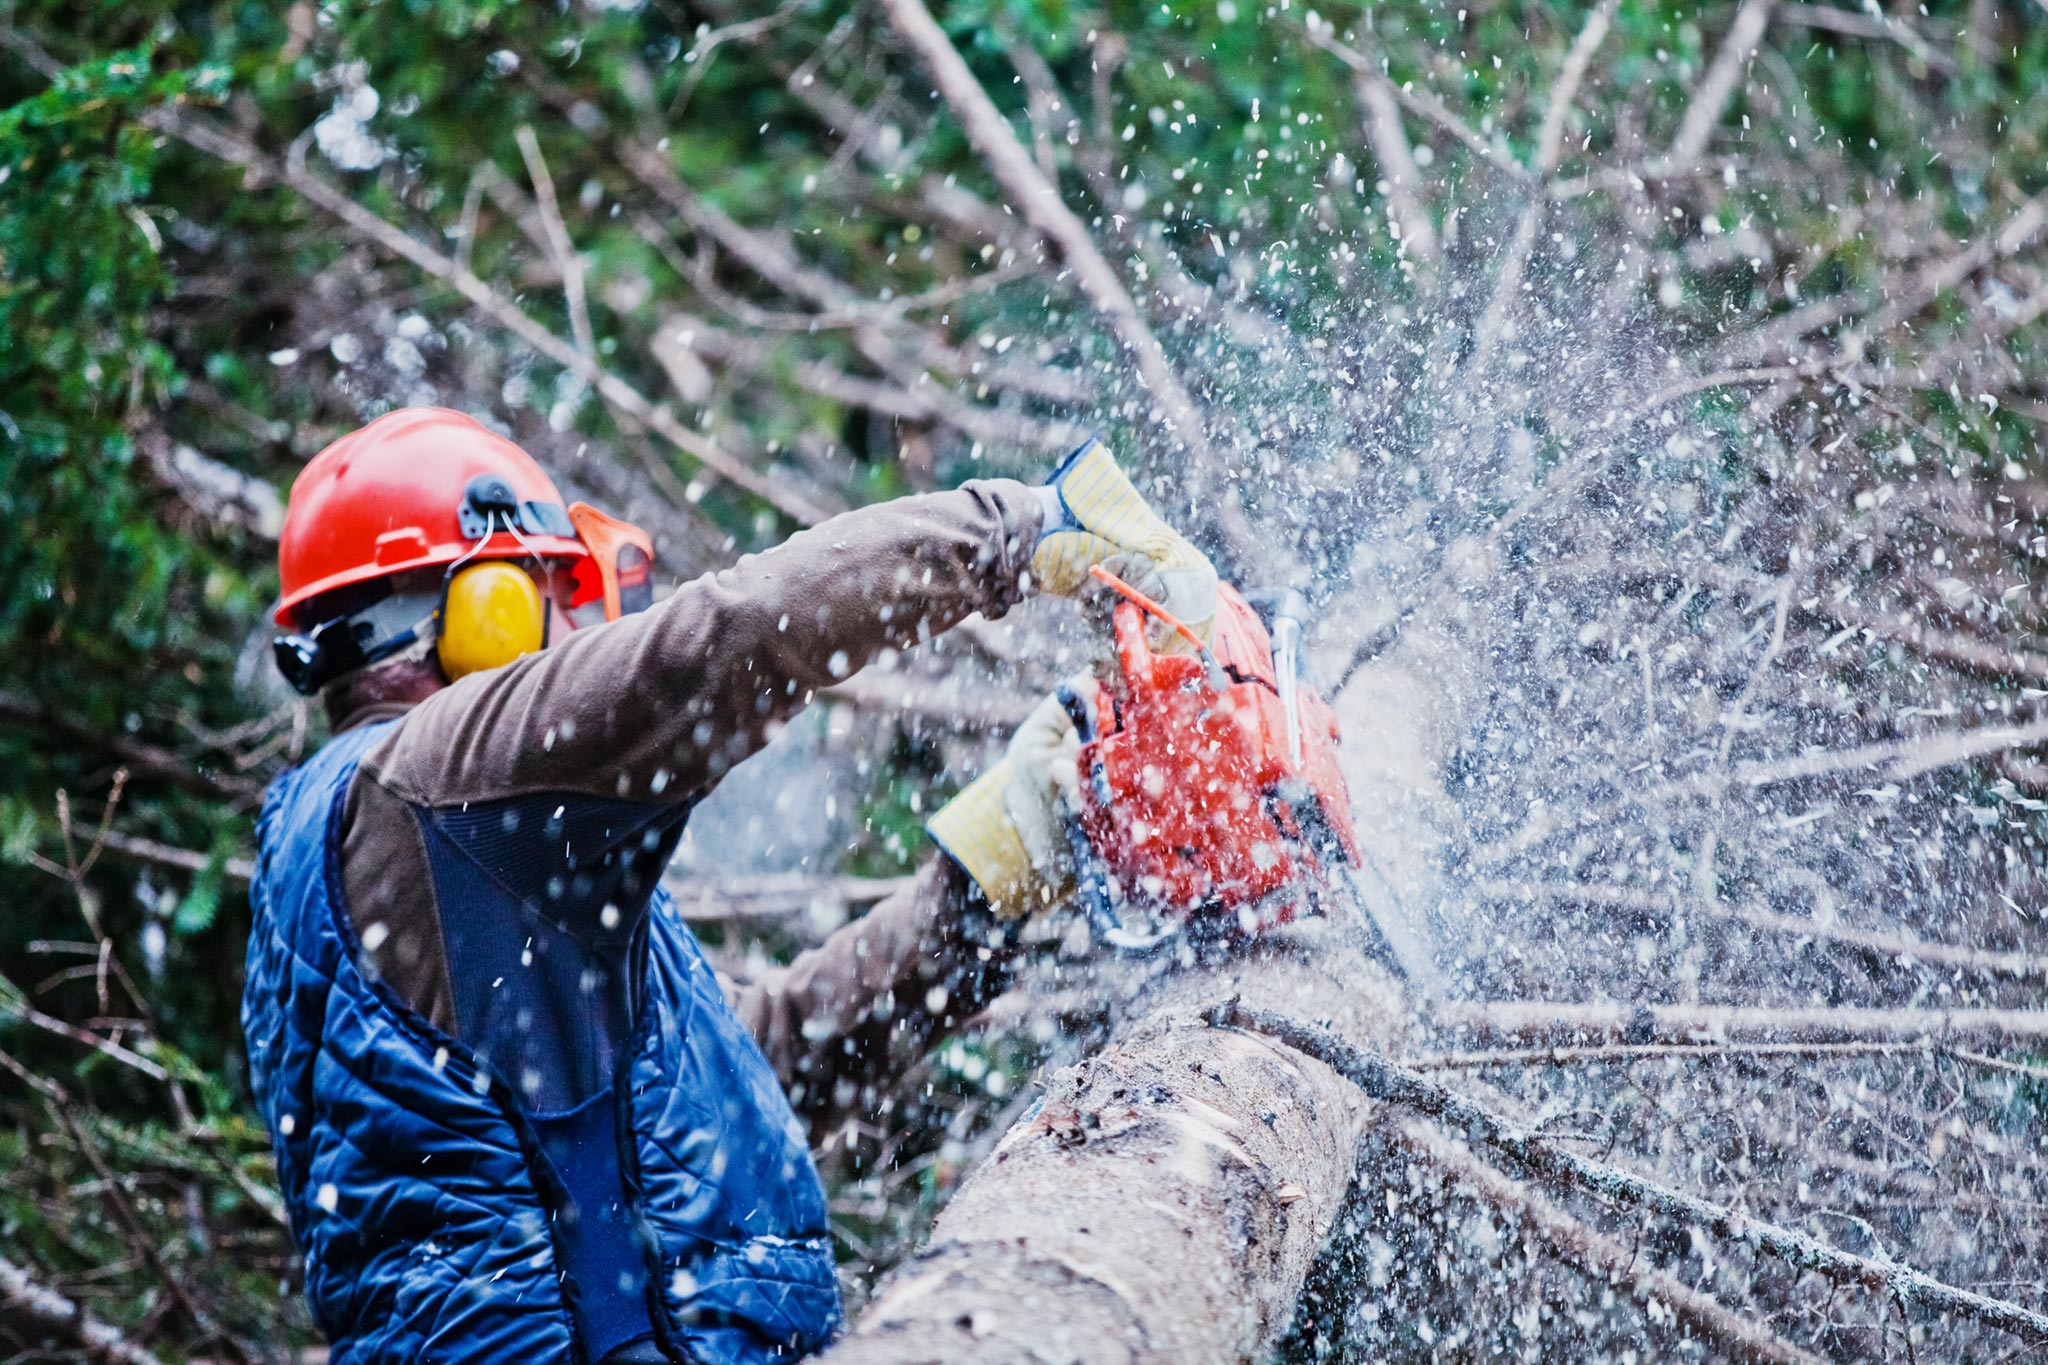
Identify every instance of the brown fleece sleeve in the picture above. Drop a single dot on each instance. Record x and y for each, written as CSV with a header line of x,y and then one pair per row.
x,y
847,1017
659,705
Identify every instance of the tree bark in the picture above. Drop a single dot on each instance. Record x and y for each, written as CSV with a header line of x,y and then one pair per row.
x,y
1163,1200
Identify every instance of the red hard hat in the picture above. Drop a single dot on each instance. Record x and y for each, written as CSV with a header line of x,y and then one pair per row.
x,y
390,497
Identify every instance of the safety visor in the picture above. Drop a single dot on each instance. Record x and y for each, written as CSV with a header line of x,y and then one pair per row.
x,y
618,578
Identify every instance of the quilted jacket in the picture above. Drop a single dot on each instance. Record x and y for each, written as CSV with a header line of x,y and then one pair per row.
x,y
416,1184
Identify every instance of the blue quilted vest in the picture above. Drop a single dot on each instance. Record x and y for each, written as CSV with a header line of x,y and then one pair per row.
x,y
416,1183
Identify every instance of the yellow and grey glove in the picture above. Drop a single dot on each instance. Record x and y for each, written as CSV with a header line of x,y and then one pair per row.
x,y
1008,828
1094,515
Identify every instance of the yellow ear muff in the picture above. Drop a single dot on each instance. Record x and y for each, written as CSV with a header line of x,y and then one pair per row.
x,y
491,615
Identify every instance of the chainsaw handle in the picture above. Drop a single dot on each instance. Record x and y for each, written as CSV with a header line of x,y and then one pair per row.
x,y
1103,920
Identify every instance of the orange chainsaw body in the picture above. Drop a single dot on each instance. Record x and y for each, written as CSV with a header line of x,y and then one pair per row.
x,y
1191,798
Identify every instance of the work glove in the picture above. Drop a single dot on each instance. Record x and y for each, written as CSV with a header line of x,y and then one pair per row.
x,y
1008,828
1095,516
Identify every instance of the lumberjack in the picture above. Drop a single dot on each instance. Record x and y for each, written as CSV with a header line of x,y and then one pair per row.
x,y
516,1115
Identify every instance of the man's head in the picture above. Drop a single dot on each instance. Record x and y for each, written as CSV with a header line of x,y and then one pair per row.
x,y
423,548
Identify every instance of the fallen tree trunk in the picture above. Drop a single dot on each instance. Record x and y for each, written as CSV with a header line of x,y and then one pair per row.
x,y
1165,1199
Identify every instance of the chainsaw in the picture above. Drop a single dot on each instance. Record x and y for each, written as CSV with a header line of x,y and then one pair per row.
x,y
1211,803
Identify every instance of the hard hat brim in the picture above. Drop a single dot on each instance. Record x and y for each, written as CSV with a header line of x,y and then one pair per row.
x,y
500,546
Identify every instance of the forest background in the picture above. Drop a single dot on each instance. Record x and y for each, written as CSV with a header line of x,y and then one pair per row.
x,y
1336,279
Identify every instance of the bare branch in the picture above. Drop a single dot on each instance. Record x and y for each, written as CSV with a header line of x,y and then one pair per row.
x,y
11,1004
139,756
22,1294
1897,760
1711,97
169,855
740,899
1877,25
1419,103
1532,1021
563,250
1704,1316
1893,946
1622,1054
230,148
1040,203
1381,1080
1550,140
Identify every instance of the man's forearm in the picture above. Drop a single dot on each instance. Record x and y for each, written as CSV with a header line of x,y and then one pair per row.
x,y
847,1017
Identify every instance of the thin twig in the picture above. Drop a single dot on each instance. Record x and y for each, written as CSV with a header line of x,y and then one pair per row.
x,y
1623,1053
1536,1021
1550,140
1419,103
1710,98
1705,1317
141,757
138,1236
2019,965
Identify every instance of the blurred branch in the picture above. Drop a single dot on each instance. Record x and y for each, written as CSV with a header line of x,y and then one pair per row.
x,y
1710,98
169,855
1424,106
216,491
1389,142
22,1297
1705,1318
1492,326
927,401
13,1003
141,757
1550,138
112,1190
1890,946
1623,1053
1040,203
559,244
953,703
776,896
1381,1080
708,41
1897,760
1875,25
232,149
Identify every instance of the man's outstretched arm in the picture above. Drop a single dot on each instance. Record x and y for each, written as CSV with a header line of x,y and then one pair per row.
x,y
654,708
657,707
